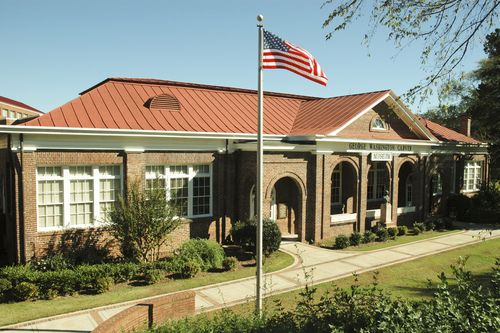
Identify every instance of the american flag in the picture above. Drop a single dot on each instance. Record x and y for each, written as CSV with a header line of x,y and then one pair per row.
x,y
279,53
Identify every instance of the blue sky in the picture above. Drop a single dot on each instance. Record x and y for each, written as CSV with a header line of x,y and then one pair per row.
x,y
52,50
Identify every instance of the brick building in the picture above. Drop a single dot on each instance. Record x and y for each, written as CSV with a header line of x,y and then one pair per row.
x,y
329,162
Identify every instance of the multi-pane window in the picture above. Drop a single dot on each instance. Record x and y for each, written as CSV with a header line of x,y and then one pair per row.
x,y
76,195
377,181
50,197
409,191
472,175
437,184
189,187
336,196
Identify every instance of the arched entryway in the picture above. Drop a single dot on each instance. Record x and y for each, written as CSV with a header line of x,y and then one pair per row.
x,y
286,206
407,192
343,195
378,185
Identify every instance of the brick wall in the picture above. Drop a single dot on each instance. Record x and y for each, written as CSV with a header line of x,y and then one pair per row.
x,y
152,312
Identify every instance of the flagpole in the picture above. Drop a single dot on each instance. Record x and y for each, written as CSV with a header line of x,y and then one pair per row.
x,y
260,154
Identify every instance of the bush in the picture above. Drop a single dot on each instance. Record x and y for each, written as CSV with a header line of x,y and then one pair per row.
x,y
152,276
19,273
124,272
355,238
244,234
418,227
369,237
230,263
393,232
460,204
51,263
103,284
341,242
429,224
189,269
382,234
25,291
64,282
207,253
402,230
5,288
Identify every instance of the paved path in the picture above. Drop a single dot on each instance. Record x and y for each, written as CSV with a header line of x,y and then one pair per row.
x,y
326,265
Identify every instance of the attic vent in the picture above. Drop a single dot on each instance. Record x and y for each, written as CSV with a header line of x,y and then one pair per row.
x,y
164,102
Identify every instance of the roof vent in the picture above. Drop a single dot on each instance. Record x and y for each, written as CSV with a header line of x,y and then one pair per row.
x,y
164,102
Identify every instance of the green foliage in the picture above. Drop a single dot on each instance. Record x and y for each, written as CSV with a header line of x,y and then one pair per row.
x,y
418,227
402,230
152,276
25,291
186,268
460,204
244,234
355,238
207,253
429,224
341,242
369,237
230,263
141,223
51,263
485,205
103,284
393,232
5,288
382,234
467,307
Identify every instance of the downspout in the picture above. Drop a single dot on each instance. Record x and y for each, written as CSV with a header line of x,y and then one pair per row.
x,y
423,186
224,204
323,197
22,229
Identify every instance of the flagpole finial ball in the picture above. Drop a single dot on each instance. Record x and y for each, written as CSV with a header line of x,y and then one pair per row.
x,y
260,18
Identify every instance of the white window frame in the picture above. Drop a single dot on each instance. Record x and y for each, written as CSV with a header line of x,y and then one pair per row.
x,y
375,172
473,170
66,179
409,191
437,184
374,124
190,175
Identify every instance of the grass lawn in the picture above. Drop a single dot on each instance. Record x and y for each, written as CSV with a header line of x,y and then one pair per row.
x,y
406,280
18,312
330,243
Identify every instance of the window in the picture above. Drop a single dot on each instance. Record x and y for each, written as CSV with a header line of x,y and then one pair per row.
x,y
5,113
377,181
188,186
76,196
378,124
472,175
336,196
409,191
273,212
437,184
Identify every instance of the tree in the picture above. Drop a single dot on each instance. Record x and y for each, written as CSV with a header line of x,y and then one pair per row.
x,y
142,221
446,28
484,102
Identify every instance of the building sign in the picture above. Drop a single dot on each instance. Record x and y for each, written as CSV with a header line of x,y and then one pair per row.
x,y
380,147
381,156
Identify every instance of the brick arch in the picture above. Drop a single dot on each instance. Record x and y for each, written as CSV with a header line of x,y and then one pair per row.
x,y
296,178
412,160
387,164
349,160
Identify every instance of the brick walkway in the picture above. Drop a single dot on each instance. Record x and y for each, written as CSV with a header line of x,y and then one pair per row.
x,y
326,265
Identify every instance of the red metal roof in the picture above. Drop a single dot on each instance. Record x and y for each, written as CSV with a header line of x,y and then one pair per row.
x,y
323,116
121,103
446,134
18,104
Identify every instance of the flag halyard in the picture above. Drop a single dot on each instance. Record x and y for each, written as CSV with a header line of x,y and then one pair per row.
x,y
280,54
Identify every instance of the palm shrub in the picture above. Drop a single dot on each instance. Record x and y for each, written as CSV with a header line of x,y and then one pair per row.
x,y
418,227
402,230
382,234
142,221
355,238
341,242
369,237
393,232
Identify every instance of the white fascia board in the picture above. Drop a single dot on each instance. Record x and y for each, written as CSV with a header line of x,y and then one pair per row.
x,y
252,146
392,142
356,117
412,118
131,133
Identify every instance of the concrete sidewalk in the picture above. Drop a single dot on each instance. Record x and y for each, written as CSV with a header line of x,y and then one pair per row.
x,y
326,265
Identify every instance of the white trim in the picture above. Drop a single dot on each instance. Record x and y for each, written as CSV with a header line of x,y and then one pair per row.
x,y
405,210
356,117
373,213
340,218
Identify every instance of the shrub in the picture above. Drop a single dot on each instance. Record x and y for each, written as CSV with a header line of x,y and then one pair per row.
x,y
402,230
25,291
63,282
355,238
103,284
124,272
19,273
418,227
189,269
5,288
152,276
51,263
460,204
207,253
50,294
341,242
393,232
382,234
230,263
244,234
369,237
430,224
